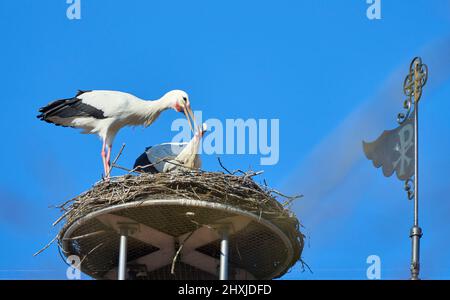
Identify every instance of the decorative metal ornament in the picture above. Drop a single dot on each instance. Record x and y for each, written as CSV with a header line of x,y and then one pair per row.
x,y
397,150
412,87
409,188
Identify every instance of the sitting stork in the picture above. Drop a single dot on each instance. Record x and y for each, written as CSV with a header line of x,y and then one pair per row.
x,y
106,112
170,157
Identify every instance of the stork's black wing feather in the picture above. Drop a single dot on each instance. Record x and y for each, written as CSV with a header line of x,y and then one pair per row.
x,y
143,164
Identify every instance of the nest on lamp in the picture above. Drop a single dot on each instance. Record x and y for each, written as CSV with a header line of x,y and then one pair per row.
x,y
237,190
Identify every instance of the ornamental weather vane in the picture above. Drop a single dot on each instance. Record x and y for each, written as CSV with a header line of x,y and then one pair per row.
x,y
397,150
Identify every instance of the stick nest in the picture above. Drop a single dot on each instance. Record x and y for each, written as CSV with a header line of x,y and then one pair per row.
x,y
240,191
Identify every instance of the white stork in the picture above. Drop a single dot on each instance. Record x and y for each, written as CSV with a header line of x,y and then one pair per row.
x,y
170,157
106,112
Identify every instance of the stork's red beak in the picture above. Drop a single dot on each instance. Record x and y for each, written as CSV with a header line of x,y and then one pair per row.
x,y
189,115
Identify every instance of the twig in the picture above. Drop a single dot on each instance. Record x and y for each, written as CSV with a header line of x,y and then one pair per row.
x,y
123,168
119,154
60,218
305,264
92,250
175,258
166,160
46,246
115,160
252,174
285,196
84,236
223,167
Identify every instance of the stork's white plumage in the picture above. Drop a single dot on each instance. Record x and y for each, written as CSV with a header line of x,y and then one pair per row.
x,y
170,157
105,112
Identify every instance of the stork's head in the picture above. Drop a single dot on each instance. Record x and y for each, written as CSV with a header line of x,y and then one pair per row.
x,y
179,101
201,130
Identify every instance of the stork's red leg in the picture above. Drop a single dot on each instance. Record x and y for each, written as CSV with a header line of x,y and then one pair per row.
x,y
108,161
104,159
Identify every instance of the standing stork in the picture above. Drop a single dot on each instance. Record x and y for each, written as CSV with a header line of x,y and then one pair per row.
x,y
170,157
105,112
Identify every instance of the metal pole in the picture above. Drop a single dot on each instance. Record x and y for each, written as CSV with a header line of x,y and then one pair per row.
x,y
224,255
416,231
123,254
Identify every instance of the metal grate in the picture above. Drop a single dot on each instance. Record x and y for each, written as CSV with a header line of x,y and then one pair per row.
x,y
100,253
260,249
254,249
174,220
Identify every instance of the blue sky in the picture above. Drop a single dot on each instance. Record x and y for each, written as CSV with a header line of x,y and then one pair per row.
x,y
331,76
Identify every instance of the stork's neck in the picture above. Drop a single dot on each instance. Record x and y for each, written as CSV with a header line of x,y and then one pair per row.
x,y
149,110
190,151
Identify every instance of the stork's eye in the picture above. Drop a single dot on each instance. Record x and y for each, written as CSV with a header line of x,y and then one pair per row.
x,y
185,99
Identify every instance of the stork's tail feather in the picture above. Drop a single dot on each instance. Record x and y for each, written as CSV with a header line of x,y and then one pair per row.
x,y
66,109
81,92
52,109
